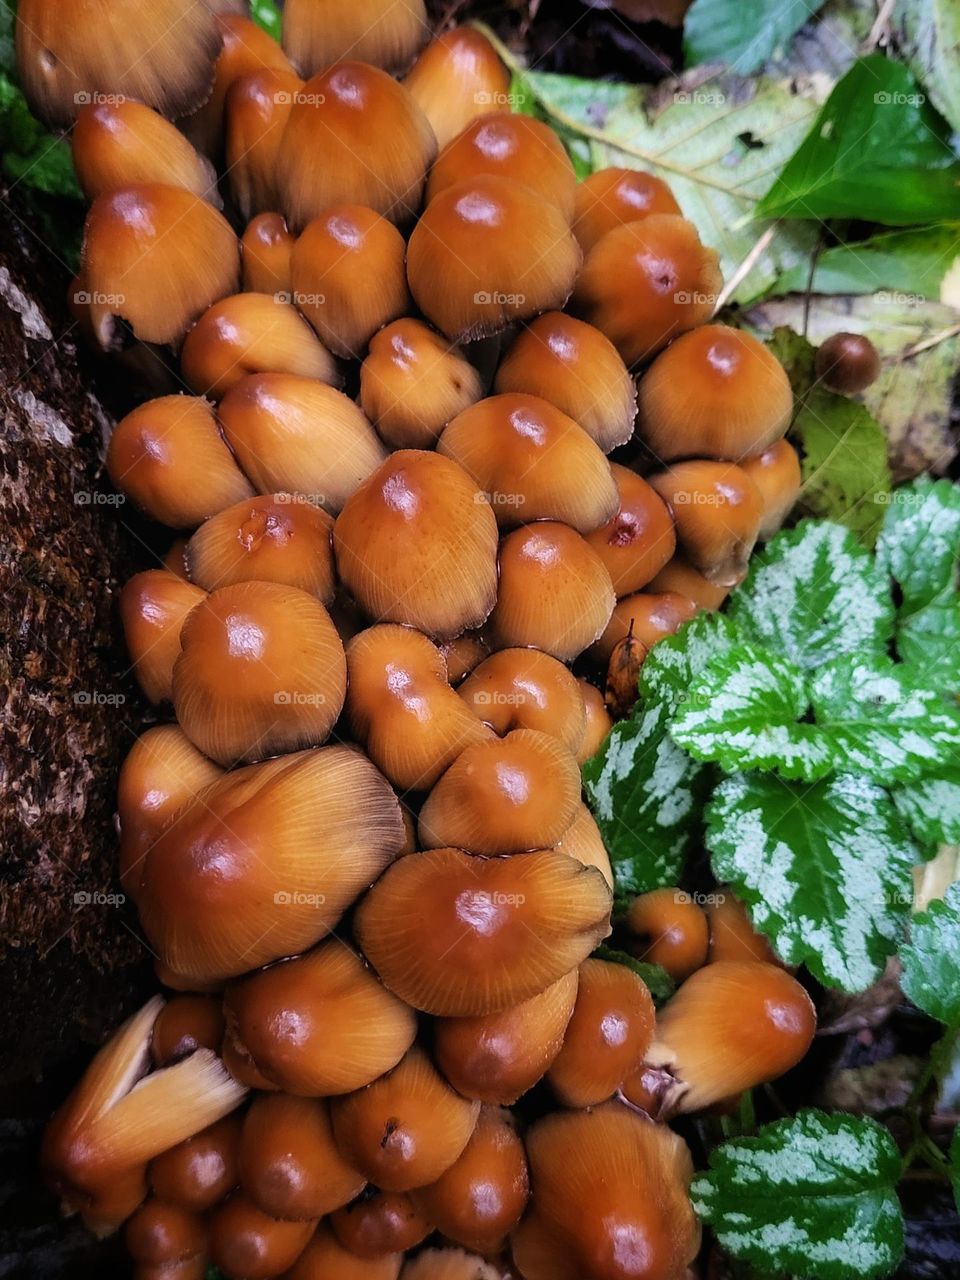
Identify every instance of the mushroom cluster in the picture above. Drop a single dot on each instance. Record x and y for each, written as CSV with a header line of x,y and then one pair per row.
x,y
403,342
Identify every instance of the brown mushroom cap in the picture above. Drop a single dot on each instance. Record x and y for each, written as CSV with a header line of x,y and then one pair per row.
x,y
732,935
532,461
199,1173
679,577
251,333
266,247
156,257
516,147
153,607
497,1057
714,393
319,1024
646,617
246,1242
119,144
644,283
265,861
405,1129
456,935
611,197
413,382
161,1234
70,53
355,136
526,689
555,592
386,33
717,510
186,1023
640,539
575,367
379,1224
776,474
416,544
669,929
487,252
506,795
325,1256
847,362
256,110
457,77
348,276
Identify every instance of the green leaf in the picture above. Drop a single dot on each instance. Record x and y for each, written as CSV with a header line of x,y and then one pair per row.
x,y
931,807
931,960
267,15
812,594
846,475
919,544
928,35
824,869
743,37
8,55
797,354
742,713
877,152
955,1165
881,722
646,796
659,983
917,263
812,1195
929,640
675,662
32,156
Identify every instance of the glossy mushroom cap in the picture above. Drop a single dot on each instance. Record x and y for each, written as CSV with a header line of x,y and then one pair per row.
x,y
487,252
731,1026
296,435
256,110
611,197
405,1129
483,1194
155,257
679,577
199,1173
386,33
847,363
732,936
348,276
582,840
669,929
325,1256
555,593
118,144
251,333
290,1166
776,474
644,283
646,618
169,457
599,723
463,654
261,671
246,1242
417,544
607,1036
186,1023
401,707
455,935
355,136
379,1224
533,461
119,1117
516,147
640,539
413,382
153,607
264,862
274,538
162,771
497,1057
714,393
527,689
610,1199
164,1235
717,510
73,52
265,248
575,367
503,796
320,1024
458,77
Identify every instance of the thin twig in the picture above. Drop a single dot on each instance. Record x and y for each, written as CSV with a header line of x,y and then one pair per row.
x,y
745,267
934,341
